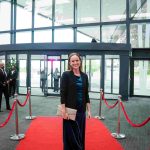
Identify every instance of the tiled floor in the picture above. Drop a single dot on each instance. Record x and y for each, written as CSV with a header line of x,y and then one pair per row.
x,y
138,110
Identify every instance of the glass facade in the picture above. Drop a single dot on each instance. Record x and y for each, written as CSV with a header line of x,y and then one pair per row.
x,y
140,35
63,35
23,37
64,11
114,33
139,9
22,74
5,15
23,15
111,11
112,66
5,38
39,36
42,13
79,21
141,77
88,11
85,34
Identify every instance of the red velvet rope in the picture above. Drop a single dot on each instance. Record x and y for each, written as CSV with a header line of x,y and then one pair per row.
x,y
130,122
10,114
28,94
109,106
102,95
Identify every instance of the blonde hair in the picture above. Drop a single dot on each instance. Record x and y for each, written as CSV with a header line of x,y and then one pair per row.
x,y
69,57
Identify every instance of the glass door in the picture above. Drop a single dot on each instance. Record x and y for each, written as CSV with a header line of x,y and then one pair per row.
x,y
56,65
142,77
112,67
38,74
22,74
45,74
53,75
93,70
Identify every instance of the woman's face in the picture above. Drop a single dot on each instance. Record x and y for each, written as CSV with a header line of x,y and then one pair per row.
x,y
75,62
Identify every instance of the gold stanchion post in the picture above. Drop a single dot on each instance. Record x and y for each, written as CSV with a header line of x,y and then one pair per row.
x,y
100,107
118,135
17,136
30,117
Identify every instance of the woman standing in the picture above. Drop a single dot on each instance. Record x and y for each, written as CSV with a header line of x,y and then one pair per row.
x,y
56,77
74,94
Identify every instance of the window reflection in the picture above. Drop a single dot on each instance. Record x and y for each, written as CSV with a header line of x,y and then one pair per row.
x,y
142,77
43,13
140,9
114,34
63,35
111,11
39,36
88,11
140,35
23,37
85,34
24,14
63,12
5,15
5,38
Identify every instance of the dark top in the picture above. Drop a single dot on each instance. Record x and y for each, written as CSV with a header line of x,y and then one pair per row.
x,y
68,90
79,90
79,94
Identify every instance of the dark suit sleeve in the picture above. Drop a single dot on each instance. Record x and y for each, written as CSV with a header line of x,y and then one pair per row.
x,y
63,88
14,75
1,81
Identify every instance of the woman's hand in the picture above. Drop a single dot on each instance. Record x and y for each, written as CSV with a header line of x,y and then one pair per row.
x,y
65,115
88,110
89,114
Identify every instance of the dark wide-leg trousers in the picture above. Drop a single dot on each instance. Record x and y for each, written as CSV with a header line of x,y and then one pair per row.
x,y
74,133
6,94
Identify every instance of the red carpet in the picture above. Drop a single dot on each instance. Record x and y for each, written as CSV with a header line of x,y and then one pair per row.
x,y
45,133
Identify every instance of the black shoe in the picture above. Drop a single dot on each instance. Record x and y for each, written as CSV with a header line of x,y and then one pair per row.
x,y
8,108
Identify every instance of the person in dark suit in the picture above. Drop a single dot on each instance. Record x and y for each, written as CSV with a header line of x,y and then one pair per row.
x,y
4,86
74,94
13,81
56,77
43,80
